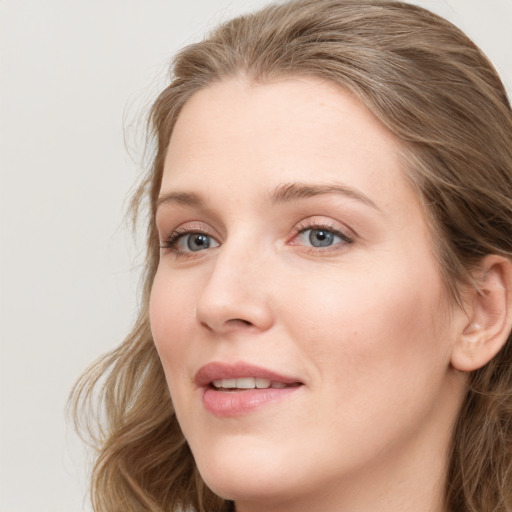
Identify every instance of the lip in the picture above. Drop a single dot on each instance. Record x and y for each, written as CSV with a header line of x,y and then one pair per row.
x,y
236,403
216,371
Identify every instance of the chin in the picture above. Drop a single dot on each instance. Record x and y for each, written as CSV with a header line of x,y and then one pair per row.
x,y
266,490
249,477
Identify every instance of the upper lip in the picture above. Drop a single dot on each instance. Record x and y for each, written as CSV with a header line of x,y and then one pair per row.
x,y
218,371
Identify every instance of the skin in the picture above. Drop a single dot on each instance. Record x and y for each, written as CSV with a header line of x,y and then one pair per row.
x,y
365,325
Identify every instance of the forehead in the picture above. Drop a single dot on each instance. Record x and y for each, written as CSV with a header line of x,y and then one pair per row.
x,y
246,135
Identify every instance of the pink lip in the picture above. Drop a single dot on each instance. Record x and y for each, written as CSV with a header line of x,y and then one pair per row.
x,y
235,403
216,371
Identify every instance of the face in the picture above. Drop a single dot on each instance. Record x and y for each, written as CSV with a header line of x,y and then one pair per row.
x,y
298,309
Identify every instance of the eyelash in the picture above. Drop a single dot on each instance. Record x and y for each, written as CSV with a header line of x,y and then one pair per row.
x,y
170,242
176,234
311,225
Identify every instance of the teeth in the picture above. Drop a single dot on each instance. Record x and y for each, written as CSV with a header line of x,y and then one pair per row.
x,y
262,383
247,383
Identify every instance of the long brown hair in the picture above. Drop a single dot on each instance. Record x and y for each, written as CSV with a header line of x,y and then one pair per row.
x,y
435,91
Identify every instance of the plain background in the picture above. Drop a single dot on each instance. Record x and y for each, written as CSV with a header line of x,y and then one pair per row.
x,y
76,78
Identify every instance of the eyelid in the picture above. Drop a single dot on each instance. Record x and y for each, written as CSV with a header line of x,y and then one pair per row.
x,y
346,234
318,222
191,227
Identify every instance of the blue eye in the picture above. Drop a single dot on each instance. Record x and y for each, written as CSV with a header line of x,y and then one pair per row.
x,y
189,242
197,241
322,237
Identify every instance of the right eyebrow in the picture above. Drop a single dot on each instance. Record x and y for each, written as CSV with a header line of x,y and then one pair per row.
x,y
181,198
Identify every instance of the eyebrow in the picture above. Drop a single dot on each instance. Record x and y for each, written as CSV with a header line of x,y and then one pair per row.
x,y
284,193
294,191
182,198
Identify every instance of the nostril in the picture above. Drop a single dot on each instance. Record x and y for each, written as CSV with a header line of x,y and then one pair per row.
x,y
232,323
239,321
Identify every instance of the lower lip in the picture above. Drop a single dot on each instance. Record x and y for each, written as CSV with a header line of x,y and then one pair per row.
x,y
236,403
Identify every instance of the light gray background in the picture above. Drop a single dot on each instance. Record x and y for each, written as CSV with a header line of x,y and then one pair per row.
x,y
75,78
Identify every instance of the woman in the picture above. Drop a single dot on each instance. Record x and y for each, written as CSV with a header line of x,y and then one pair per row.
x,y
326,314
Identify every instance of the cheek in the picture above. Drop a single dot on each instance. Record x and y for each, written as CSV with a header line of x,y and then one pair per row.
x,y
378,343
171,313
382,323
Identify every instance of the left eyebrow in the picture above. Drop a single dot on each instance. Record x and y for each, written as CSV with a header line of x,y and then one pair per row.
x,y
294,191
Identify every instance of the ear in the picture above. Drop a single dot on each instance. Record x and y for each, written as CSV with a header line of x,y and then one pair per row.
x,y
488,315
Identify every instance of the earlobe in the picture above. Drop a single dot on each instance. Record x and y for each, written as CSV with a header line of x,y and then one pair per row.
x,y
488,322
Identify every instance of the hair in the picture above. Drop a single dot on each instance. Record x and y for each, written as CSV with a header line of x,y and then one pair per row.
x,y
441,97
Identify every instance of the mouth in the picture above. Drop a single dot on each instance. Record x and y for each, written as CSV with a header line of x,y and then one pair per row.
x,y
238,389
245,383
241,376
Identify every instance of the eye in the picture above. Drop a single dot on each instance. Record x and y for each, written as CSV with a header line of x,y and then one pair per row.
x,y
186,242
321,237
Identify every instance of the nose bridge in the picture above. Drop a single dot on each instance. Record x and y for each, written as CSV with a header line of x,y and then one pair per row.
x,y
236,291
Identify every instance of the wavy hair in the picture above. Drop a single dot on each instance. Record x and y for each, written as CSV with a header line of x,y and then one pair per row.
x,y
438,94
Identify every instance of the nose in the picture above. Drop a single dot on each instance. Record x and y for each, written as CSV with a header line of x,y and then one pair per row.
x,y
236,295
